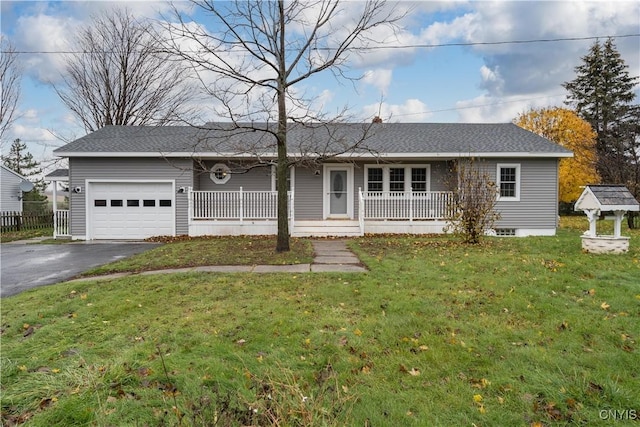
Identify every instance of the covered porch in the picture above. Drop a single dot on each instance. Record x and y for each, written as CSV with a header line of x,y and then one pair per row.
x,y
255,213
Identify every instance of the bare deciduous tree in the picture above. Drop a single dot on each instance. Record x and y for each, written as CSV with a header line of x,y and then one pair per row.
x,y
472,212
118,76
253,57
10,75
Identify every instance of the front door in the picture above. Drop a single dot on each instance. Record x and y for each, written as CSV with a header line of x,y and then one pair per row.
x,y
338,186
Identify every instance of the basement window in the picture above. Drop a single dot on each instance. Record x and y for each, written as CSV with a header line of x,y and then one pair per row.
x,y
504,232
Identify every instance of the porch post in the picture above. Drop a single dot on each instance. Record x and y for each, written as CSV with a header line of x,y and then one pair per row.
x,y
292,212
361,211
241,205
189,207
55,208
411,205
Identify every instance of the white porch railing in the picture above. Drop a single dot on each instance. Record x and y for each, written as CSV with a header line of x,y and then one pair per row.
x,y
235,205
61,223
263,205
415,205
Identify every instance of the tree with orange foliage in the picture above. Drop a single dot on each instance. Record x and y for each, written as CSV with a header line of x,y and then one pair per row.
x,y
566,128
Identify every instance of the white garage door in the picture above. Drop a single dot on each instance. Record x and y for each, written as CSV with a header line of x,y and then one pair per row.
x,y
130,210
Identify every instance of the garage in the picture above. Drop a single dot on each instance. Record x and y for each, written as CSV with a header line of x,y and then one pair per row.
x,y
130,210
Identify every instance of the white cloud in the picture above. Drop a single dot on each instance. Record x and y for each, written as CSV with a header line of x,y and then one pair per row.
x,y
489,109
535,67
491,79
412,110
42,34
48,29
379,78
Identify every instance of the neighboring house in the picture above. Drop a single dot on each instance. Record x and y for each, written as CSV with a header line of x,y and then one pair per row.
x,y
12,185
129,182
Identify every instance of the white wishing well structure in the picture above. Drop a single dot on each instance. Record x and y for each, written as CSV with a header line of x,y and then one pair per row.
x,y
597,199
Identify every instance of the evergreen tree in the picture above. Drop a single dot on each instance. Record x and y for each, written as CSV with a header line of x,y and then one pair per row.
x,y
603,93
21,161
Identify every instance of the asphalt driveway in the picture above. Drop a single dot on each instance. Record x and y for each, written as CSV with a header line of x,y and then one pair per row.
x,y
25,266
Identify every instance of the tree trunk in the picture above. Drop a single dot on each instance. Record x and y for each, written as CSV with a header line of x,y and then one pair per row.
x,y
631,219
282,244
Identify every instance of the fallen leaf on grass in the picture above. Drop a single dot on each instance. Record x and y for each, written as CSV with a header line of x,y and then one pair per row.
x,y
604,306
594,388
563,326
144,372
47,402
480,383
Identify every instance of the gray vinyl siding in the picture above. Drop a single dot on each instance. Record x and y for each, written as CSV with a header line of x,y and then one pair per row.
x,y
122,169
441,176
308,196
10,192
538,204
255,179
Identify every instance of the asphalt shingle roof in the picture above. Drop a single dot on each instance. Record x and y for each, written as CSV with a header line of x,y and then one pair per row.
x,y
58,173
386,138
613,195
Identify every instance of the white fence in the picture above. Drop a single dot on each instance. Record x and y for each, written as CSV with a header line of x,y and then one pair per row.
x,y
263,205
61,223
418,205
234,205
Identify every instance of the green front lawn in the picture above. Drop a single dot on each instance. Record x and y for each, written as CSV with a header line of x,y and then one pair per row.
x,y
513,332
201,251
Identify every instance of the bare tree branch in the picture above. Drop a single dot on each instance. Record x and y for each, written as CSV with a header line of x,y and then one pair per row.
x,y
10,76
121,77
253,55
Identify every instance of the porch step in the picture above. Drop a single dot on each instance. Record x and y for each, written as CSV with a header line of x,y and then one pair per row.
x,y
326,229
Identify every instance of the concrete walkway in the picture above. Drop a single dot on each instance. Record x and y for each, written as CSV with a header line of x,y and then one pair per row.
x,y
330,256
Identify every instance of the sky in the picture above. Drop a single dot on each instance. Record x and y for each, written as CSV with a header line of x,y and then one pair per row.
x,y
446,62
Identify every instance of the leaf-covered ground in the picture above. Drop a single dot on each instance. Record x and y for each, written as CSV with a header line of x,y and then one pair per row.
x,y
527,332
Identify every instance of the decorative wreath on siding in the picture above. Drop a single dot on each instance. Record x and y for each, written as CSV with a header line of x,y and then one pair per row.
x,y
220,173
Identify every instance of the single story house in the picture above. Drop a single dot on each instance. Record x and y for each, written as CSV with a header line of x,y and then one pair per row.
x,y
131,182
12,185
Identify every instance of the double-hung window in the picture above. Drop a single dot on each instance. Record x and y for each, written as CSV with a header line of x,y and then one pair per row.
x,y
419,179
397,178
375,181
508,182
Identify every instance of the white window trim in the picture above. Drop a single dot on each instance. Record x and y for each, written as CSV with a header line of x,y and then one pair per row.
x,y
386,175
220,167
498,182
326,185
